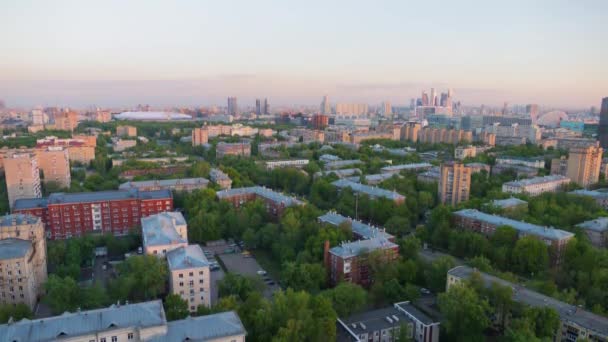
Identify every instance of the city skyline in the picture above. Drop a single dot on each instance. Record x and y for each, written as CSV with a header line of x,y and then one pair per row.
x,y
187,53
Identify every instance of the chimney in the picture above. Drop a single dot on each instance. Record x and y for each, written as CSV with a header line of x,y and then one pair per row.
x,y
326,254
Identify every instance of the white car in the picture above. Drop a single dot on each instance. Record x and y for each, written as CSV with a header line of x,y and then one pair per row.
x,y
262,272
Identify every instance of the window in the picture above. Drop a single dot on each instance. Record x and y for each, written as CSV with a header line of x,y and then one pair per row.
x,y
103,339
130,336
114,338
181,275
191,274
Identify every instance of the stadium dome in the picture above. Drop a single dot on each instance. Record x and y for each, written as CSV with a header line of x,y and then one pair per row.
x,y
552,118
152,116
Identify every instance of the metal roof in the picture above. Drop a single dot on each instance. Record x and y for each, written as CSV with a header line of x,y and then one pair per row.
x,y
364,230
508,203
375,320
12,220
369,190
341,163
159,229
203,328
12,248
599,224
413,166
72,325
190,256
88,197
538,180
523,227
164,183
567,312
598,193
351,249
269,194
30,203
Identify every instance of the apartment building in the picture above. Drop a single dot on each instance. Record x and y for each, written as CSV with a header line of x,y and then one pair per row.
x,y
220,178
126,131
599,195
385,324
23,269
348,261
190,277
444,136
233,149
298,163
339,164
360,230
454,183
533,162
181,184
462,152
486,224
276,202
22,176
371,191
81,148
410,131
537,185
414,167
74,214
584,165
66,120
120,145
430,176
576,323
597,231
163,232
478,167
54,161
200,136
144,321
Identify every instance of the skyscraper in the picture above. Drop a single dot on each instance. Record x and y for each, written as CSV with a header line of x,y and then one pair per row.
x,y
425,98
433,99
386,109
258,106
266,107
584,165
454,183
325,107
532,112
603,128
232,106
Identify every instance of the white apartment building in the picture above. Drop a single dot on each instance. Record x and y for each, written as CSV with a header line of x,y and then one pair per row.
x,y
190,275
164,232
273,164
536,186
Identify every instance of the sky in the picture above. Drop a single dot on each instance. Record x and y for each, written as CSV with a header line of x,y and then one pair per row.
x,y
184,53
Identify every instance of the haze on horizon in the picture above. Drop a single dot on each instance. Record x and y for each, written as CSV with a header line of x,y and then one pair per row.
x,y
121,53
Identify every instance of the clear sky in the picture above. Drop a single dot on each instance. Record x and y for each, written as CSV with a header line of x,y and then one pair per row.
x,y
124,52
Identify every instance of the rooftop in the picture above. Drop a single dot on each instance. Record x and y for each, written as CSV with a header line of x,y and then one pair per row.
x,y
12,220
521,294
364,230
414,313
191,256
88,197
203,328
508,203
369,190
72,325
160,229
351,249
14,248
413,166
269,194
538,180
523,227
341,163
599,224
164,183
598,193
375,320
30,203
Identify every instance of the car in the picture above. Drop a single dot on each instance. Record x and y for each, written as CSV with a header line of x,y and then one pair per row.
x,y
270,283
140,250
229,250
214,268
262,272
425,291
246,252
247,256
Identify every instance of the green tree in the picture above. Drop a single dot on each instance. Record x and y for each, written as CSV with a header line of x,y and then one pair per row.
x,y
141,277
175,307
238,285
530,255
302,276
16,312
62,294
346,298
465,313
545,321
436,274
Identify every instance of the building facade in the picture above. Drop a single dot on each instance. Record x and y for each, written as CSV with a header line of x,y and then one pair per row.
x,y
54,162
454,183
233,149
126,131
584,165
74,214
22,176
200,136
190,277
182,184
275,202
537,185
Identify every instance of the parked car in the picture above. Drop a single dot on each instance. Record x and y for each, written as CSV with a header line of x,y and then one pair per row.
x,y
262,272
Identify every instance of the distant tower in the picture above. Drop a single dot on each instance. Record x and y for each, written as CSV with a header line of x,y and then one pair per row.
x,y
266,107
258,106
425,99
505,108
325,107
603,128
433,99
232,106
532,112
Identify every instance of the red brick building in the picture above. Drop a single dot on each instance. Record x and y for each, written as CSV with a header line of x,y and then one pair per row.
x,y
349,261
276,202
74,214
320,121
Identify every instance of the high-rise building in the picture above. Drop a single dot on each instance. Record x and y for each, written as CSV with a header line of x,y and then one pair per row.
x,y
603,128
54,162
433,99
320,121
325,106
22,176
66,120
265,107
532,112
200,136
126,131
584,164
386,109
351,109
258,106
23,256
454,183
232,108
425,98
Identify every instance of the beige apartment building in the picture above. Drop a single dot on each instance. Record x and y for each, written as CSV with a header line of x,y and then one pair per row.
x,y
584,165
54,161
190,275
454,183
22,259
164,232
22,176
126,131
81,148
200,136
66,120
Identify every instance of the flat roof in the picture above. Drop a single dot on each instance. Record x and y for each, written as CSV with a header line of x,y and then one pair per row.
x,y
508,202
88,197
412,166
375,320
12,220
12,248
598,193
159,229
340,163
524,227
351,249
203,328
262,192
414,312
538,180
30,203
599,224
71,325
567,312
364,230
191,256
369,190
164,183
